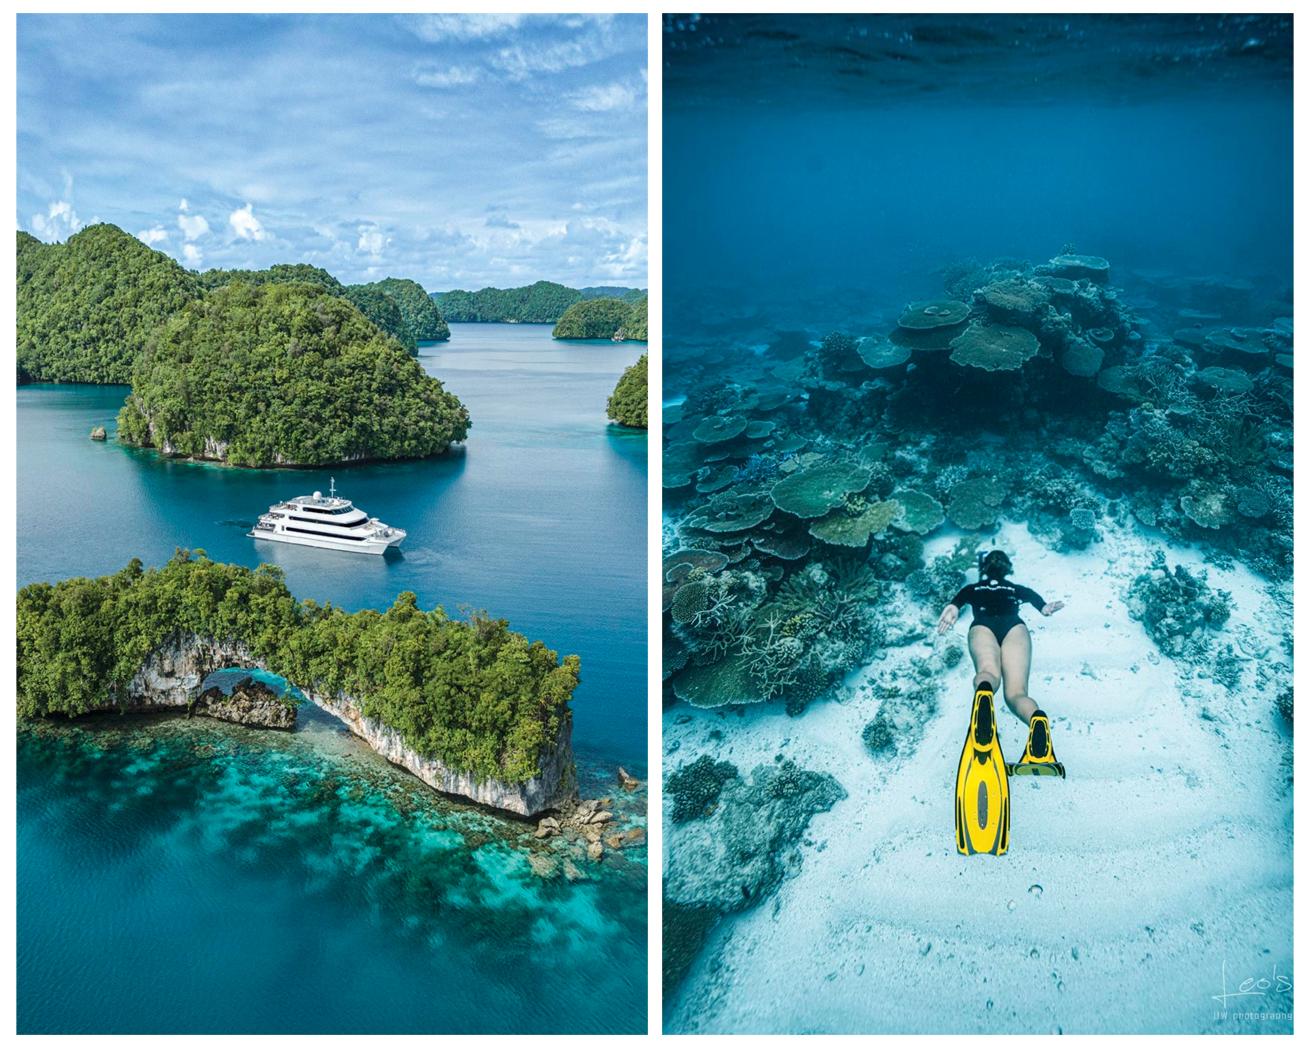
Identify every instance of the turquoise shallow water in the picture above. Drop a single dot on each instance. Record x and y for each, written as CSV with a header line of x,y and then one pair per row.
x,y
190,876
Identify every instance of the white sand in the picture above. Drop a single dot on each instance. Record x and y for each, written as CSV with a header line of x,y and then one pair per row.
x,y
1164,860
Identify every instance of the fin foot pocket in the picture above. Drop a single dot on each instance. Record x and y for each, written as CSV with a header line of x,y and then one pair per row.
x,y
982,792
1053,769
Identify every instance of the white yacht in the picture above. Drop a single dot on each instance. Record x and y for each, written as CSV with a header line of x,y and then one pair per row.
x,y
328,523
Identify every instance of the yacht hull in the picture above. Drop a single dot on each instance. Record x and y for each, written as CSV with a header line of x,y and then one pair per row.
x,y
374,546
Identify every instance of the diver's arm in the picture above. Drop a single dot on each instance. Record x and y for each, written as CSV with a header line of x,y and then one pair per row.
x,y
951,612
1030,596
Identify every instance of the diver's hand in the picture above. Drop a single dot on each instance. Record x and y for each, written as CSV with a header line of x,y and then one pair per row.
x,y
949,614
1052,608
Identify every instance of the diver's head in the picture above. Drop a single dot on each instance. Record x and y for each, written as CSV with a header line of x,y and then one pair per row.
x,y
994,565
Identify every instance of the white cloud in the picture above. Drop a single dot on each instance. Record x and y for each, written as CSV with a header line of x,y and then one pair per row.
x,y
192,255
453,76
627,261
193,226
605,98
154,235
59,222
438,28
520,62
245,225
371,241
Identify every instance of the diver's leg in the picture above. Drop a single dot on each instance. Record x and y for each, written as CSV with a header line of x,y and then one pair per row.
x,y
986,654
1016,662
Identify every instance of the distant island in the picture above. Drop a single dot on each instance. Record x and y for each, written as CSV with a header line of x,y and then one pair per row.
x,y
628,403
544,302
611,318
471,707
284,374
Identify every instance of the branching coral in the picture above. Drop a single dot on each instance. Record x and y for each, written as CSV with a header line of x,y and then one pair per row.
x,y
694,788
1177,608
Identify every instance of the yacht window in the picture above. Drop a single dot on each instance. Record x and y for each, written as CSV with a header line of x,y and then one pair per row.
x,y
339,524
324,535
320,509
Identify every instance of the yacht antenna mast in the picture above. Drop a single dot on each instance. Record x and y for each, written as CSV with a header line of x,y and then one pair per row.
x,y
332,487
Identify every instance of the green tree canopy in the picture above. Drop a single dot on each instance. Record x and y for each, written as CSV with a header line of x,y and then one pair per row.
x,y
282,273
383,311
475,695
284,374
602,318
541,303
628,403
631,295
87,307
417,307
634,328
370,299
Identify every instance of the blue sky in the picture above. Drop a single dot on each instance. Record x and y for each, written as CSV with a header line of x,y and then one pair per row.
x,y
459,151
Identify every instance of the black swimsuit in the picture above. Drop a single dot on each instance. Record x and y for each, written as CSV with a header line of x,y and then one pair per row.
x,y
996,604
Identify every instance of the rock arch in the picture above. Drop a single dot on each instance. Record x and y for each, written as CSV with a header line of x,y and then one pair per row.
x,y
171,678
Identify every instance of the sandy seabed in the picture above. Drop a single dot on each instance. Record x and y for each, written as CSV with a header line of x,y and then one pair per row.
x,y
1137,892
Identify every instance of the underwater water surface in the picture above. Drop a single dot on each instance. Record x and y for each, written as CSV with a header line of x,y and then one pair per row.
x,y
935,284
296,882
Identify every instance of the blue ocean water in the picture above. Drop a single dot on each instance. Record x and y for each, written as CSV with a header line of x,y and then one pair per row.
x,y
190,876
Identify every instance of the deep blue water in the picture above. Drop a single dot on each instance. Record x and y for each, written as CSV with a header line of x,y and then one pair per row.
x,y
198,877
804,155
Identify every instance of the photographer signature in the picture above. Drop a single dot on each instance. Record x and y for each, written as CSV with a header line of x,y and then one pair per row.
x,y
1254,986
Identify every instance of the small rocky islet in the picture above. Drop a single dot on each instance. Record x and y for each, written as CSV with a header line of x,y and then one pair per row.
x,y
804,471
